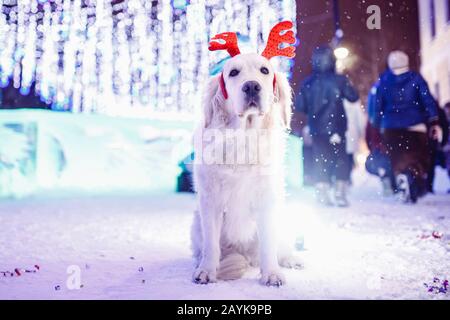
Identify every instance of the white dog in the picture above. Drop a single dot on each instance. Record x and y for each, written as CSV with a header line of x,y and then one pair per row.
x,y
238,172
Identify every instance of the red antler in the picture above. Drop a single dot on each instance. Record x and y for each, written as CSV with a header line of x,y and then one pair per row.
x,y
275,39
231,43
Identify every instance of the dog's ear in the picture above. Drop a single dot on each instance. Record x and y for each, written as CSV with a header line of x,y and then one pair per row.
x,y
283,98
213,101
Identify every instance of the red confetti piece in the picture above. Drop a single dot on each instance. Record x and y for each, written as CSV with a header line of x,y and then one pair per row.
x,y
437,235
19,271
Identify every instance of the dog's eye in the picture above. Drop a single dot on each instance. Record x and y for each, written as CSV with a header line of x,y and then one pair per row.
x,y
264,70
234,73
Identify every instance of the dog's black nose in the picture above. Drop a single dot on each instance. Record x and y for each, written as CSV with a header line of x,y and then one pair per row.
x,y
251,88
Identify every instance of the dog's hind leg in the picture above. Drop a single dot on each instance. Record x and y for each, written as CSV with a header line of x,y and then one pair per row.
x,y
232,266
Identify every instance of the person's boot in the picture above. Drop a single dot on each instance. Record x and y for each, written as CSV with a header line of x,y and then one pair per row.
x,y
387,186
322,194
417,187
420,185
403,191
408,187
340,194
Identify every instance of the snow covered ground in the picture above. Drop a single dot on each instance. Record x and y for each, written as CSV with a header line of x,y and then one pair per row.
x,y
137,247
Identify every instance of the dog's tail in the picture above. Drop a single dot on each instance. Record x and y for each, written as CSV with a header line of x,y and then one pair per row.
x,y
232,267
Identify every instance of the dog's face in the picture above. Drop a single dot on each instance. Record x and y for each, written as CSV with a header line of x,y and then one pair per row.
x,y
249,81
252,98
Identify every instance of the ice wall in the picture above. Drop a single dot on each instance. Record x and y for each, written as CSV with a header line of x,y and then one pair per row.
x,y
59,151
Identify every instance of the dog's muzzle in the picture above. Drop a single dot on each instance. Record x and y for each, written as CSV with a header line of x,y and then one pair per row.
x,y
251,90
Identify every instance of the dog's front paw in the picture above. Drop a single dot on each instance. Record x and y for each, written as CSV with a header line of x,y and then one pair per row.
x,y
273,279
291,262
202,276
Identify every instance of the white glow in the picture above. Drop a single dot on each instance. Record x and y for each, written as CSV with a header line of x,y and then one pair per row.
x,y
341,53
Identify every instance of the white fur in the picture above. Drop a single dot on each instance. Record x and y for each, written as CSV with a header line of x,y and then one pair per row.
x,y
239,205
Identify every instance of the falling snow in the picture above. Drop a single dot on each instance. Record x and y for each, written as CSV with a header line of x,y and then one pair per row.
x,y
377,248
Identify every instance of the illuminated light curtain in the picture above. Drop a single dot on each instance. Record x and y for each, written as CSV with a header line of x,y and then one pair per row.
x,y
129,57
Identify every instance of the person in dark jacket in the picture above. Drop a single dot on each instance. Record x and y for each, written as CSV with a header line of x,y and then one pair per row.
x,y
446,147
321,99
403,110
437,146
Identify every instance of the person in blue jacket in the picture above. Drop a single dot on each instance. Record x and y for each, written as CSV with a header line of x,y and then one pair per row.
x,y
404,109
321,99
378,162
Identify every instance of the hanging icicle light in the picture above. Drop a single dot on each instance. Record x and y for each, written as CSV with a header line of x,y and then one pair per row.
x,y
125,57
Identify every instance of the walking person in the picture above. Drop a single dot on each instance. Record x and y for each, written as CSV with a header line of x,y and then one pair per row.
x,y
437,146
321,99
308,158
404,110
356,126
446,148
378,162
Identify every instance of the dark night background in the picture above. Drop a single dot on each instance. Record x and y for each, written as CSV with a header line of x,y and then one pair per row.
x,y
369,48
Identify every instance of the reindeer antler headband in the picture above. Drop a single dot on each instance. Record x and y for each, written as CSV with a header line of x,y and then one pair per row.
x,y
272,48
